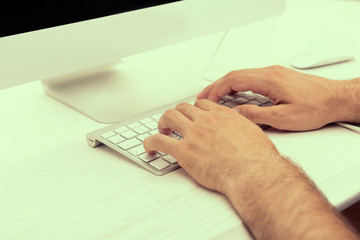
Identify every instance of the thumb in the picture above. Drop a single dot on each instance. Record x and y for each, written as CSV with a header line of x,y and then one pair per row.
x,y
258,115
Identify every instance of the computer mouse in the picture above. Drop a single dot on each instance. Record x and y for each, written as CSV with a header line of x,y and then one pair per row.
x,y
315,59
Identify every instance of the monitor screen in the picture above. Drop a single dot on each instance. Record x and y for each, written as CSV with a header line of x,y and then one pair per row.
x,y
24,16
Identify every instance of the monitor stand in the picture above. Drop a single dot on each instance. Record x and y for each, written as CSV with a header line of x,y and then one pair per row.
x,y
116,92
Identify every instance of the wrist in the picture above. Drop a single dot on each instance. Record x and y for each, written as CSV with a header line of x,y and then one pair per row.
x,y
258,194
257,179
345,101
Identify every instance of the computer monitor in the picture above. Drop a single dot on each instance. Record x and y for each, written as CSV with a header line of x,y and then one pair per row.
x,y
77,62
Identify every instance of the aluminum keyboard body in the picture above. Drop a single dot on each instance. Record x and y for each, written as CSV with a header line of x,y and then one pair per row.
x,y
127,137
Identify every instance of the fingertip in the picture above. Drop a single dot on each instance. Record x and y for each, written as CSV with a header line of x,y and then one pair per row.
x,y
213,97
159,143
147,143
261,115
251,112
200,96
205,92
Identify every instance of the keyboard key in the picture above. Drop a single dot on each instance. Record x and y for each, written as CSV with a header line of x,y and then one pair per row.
x,y
143,136
129,144
137,150
157,116
241,100
116,139
134,125
108,134
146,120
263,100
159,164
153,132
141,130
267,104
173,135
176,133
148,158
122,129
254,102
170,159
129,134
152,125
247,95
227,98
162,154
231,104
252,96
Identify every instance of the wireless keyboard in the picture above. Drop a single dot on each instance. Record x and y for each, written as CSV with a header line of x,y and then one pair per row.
x,y
127,137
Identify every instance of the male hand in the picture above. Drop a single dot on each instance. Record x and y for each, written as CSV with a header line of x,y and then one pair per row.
x,y
301,101
218,146
226,152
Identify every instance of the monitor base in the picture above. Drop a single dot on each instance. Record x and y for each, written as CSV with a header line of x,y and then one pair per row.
x,y
117,92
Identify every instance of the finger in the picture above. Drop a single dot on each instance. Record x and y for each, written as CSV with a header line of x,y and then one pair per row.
x,y
221,87
262,115
173,120
205,93
188,110
206,105
219,91
255,80
160,143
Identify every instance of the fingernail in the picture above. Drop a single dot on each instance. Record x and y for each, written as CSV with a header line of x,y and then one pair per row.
x,y
237,110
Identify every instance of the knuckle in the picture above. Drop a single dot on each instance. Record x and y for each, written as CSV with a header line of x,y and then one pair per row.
x,y
190,147
169,112
231,74
275,67
181,106
274,71
209,121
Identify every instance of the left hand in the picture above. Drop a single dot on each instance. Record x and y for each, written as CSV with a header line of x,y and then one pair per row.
x,y
301,101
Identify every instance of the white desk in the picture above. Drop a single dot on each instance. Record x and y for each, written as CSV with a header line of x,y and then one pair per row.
x,y
53,186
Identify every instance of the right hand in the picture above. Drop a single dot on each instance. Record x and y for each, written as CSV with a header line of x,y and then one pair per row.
x,y
219,146
301,101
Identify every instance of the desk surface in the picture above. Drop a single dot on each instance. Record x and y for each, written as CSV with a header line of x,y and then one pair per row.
x,y
53,186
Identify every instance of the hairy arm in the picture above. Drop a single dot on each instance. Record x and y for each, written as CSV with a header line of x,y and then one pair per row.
x,y
280,202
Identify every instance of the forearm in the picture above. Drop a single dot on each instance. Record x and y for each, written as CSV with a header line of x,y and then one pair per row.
x,y
346,101
279,202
